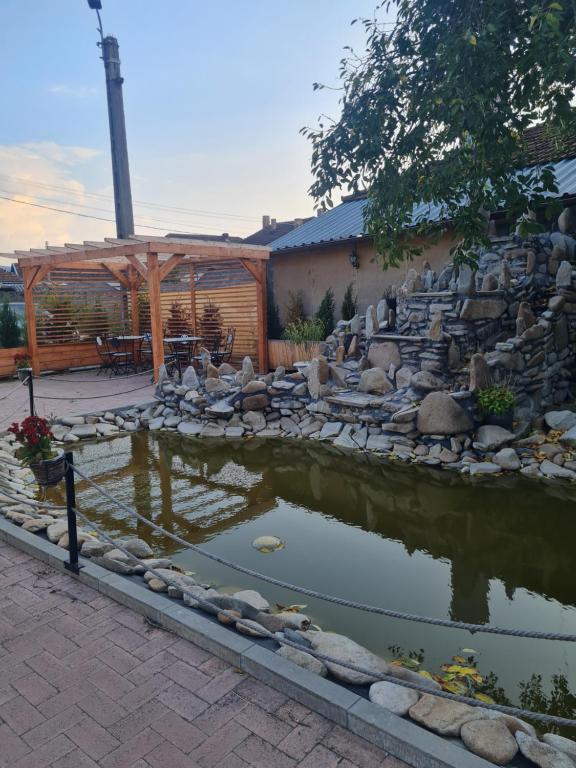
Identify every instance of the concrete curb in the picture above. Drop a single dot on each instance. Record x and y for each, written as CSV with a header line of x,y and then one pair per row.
x,y
400,738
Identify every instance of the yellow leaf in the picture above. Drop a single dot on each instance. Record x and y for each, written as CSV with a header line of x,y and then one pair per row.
x,y
455,687
459,659
484,697
456,669
426,674
472,40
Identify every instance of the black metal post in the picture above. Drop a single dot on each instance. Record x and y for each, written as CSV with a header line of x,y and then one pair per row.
x,y
31,391
72,564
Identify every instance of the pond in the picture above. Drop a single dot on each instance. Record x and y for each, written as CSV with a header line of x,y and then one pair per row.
x,y
410,539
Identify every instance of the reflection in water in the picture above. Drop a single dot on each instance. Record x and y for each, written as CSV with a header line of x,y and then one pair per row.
x,y
407,538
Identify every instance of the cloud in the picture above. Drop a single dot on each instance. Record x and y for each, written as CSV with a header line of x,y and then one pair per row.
x,y
43,173
75,92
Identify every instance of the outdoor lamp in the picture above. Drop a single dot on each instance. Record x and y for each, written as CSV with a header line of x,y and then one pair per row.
x,y
96,5
354,259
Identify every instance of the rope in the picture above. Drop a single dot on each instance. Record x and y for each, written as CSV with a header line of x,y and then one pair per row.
x,y
58,379
72,399
514,711
330,598
11,392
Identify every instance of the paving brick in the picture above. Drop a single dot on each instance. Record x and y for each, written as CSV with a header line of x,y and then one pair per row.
x,y
126,638
182,701
12,747
118,659
132,750
46,754
92,738
150,667
261,694
223,683
178,731
34,688
111,683
187,676
232,761
260,754
142,693
217,747
167,754
263,724
357,750
190,653
41,734
304,737
137,721
20,715
220,713
155,642
320,757
102,708
75,759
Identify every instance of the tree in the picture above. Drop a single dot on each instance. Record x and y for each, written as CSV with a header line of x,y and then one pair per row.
x,y
10,333
349,303
295,307
435,112
326,311
211,322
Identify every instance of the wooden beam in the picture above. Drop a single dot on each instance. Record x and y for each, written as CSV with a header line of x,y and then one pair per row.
x,y
253,269
28,273
169,265
155,312
138,266
262,315
116,272
39,275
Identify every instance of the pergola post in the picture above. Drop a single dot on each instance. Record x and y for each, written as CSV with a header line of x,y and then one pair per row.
x,y
28,274
134,306
193,297
155,312
262,315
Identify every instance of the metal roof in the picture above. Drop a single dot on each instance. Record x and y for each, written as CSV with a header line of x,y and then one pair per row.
x,y
346,221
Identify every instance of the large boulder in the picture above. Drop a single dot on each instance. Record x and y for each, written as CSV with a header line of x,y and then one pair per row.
x,y
392,697
425,381
383,355
374,380
440,414
344,649
560,419
318,373
480,375
489,739
543,755
303,659
247,374
372,325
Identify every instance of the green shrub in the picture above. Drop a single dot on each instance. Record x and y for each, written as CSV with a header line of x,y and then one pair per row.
x,y
10,333
349,303
295,307
496,400
326,312
274,324
304,331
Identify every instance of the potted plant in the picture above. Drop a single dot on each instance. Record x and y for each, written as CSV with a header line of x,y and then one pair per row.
x,y
496,405
23,366
36,451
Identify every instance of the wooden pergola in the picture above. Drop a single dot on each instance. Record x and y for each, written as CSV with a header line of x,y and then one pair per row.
x,y
142,260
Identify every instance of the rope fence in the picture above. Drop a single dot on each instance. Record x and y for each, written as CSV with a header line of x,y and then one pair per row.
x,y
249,626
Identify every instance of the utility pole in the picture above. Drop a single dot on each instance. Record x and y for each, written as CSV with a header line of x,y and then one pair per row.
x,y
118,142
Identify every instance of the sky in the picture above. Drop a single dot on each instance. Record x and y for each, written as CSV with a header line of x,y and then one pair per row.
x,y
215,94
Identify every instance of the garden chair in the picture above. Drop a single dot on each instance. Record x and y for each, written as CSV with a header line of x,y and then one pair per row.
x,y
120,360
224,352
105,357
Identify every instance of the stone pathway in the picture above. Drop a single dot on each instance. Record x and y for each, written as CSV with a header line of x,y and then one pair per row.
x,y
85,682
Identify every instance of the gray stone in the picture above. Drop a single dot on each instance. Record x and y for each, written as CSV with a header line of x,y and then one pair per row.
x,y
491,437
567,220
392,697
212,430
404,376
72,421
318,374
549,469
382,311
563,420
84,430
507,458
374,380
378,443
372,325
480,376
137,547
344,649
255,419
221,409
234,432
56,531
214,386
484,468
489,283
435,331
564,275
561,743
442,715
466,285
489,739
331,430
543,755
569,437
190,378
483,309
114,565
95,548
247,374
255,402
410,676
504,276
383,355
303,659
190,428
253,387
253,598
440,414
425,381
512,723
155,424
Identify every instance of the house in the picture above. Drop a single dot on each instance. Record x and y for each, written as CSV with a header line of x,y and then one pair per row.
x,y
272,230
334,250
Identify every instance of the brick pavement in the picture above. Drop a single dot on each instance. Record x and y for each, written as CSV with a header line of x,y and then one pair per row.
x,y
85,682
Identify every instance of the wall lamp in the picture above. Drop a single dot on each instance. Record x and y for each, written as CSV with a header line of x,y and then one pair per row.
x,y
354,259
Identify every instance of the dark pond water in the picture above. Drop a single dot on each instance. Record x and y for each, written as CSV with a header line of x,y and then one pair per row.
x,y
414,540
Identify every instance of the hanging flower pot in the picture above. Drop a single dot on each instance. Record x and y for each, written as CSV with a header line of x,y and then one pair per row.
x,y
23,373
35,438
49,472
